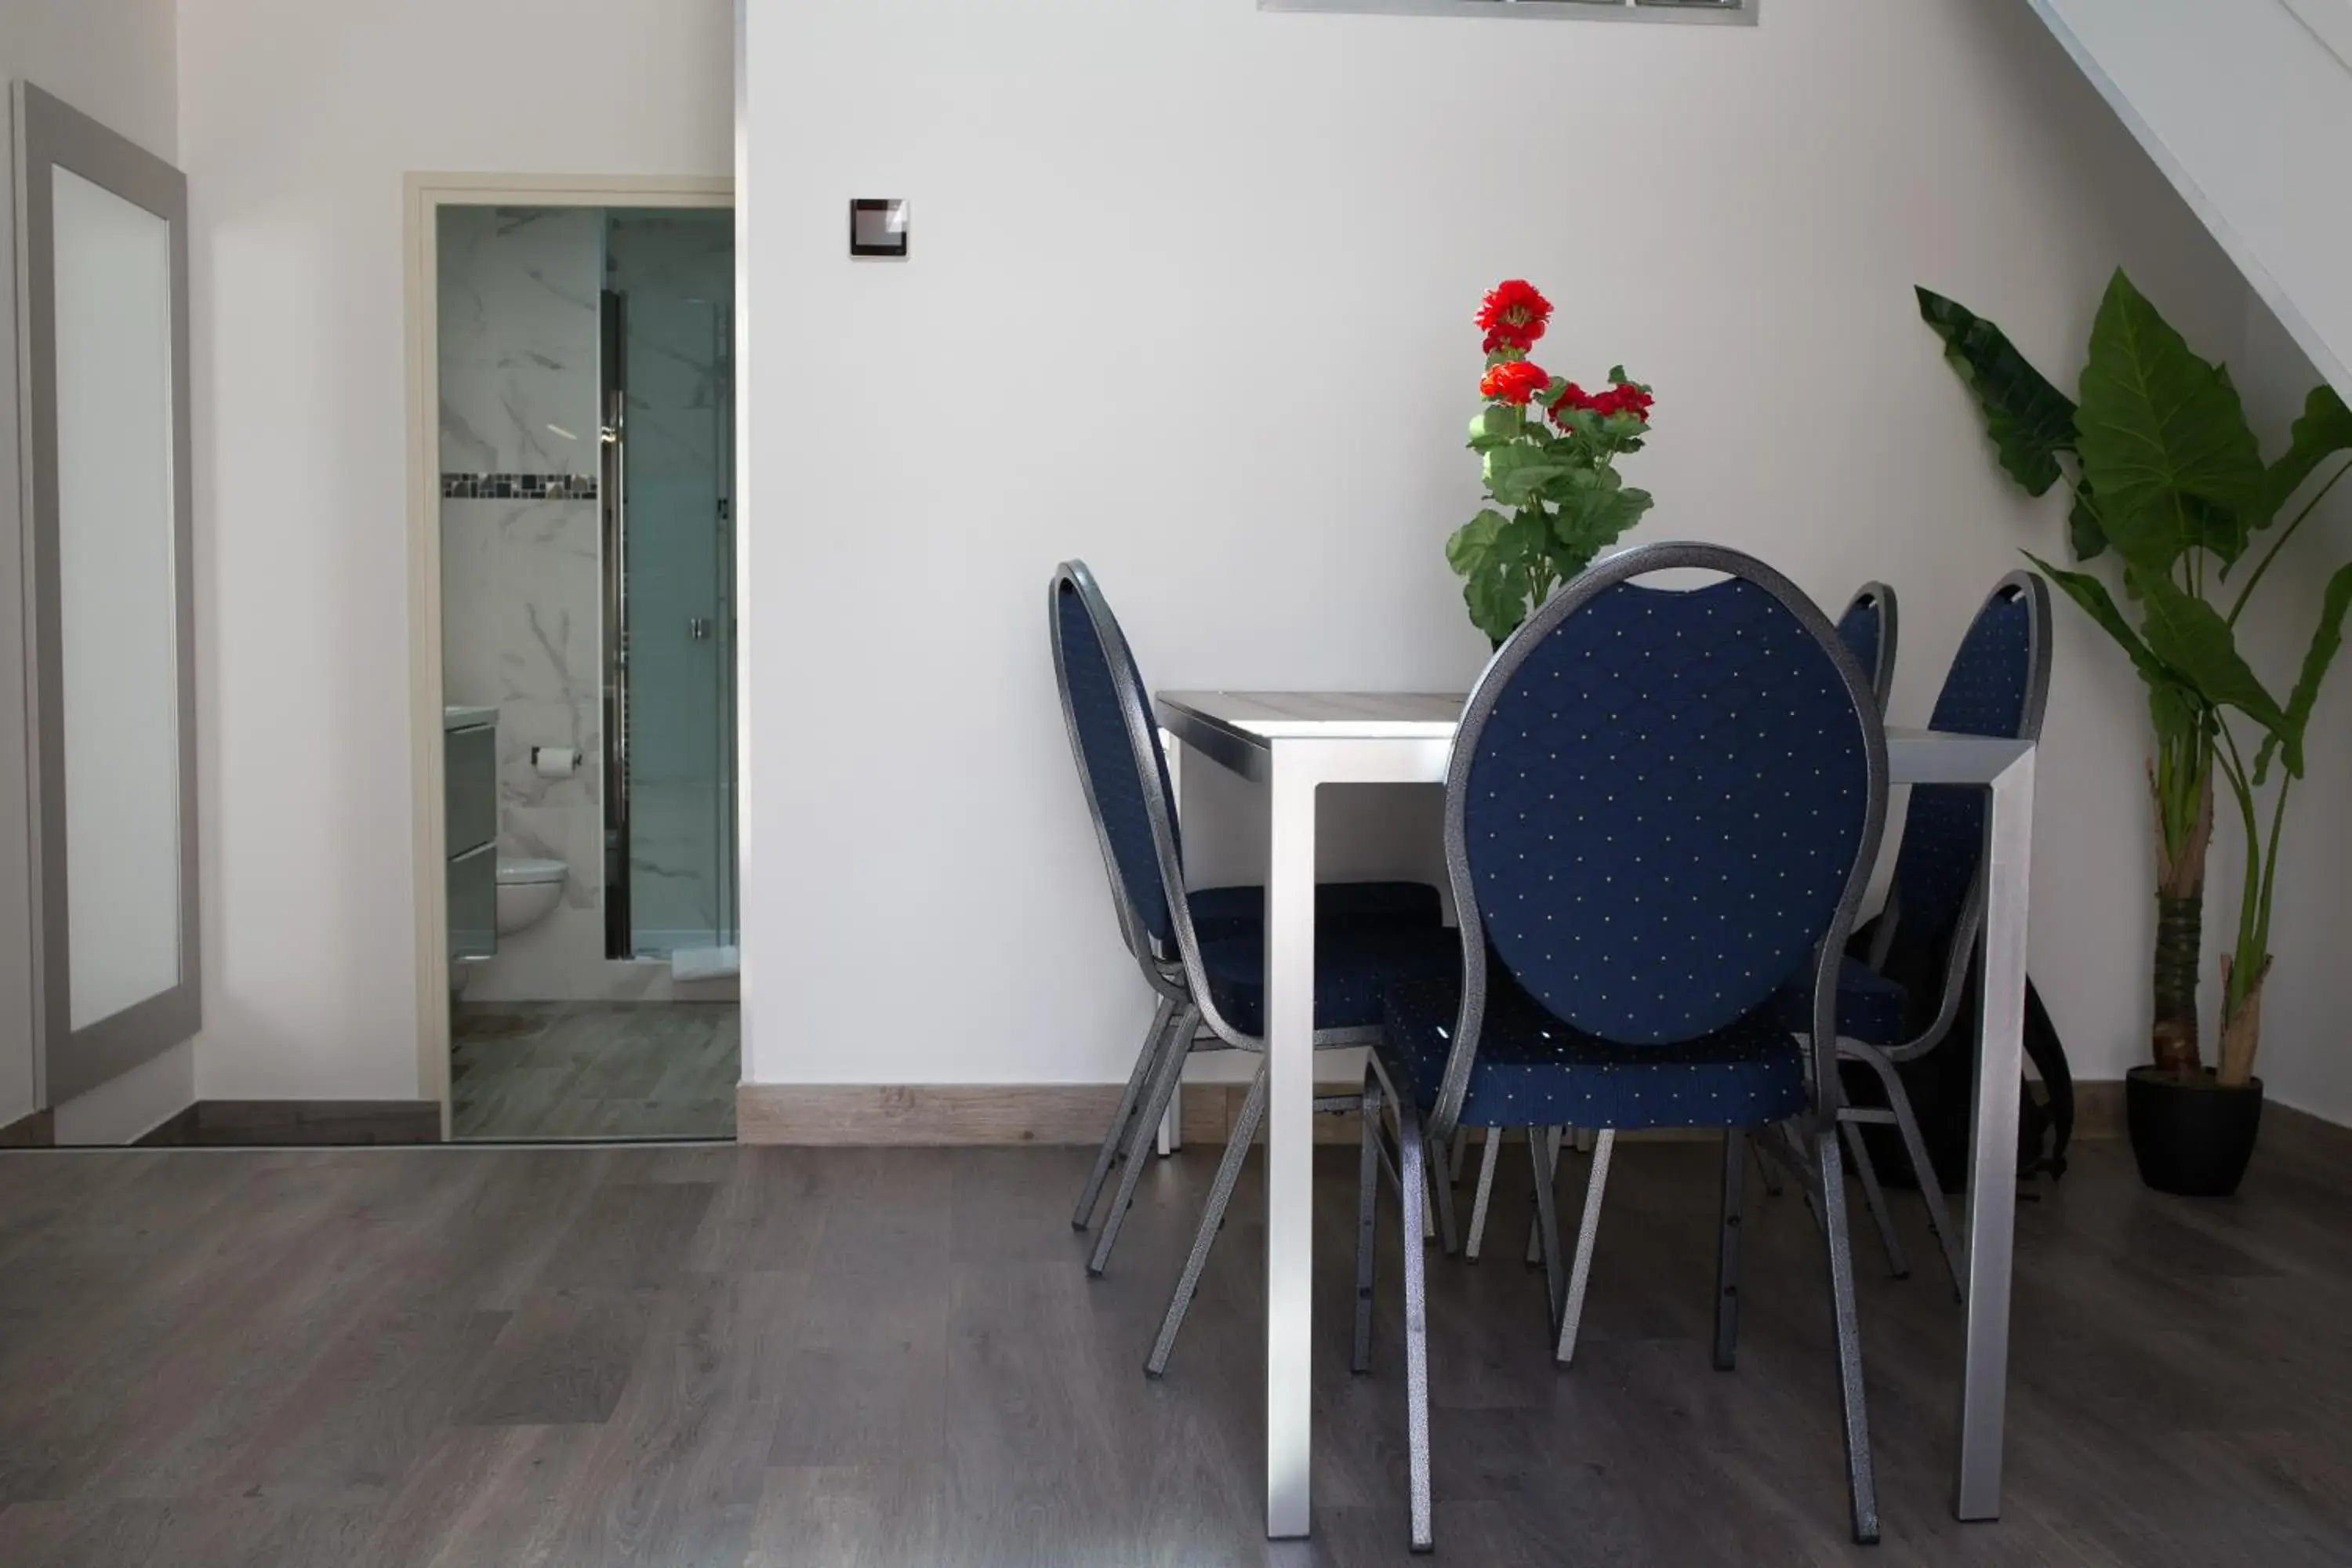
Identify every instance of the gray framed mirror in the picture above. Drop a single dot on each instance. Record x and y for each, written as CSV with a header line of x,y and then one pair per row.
x,y
102,317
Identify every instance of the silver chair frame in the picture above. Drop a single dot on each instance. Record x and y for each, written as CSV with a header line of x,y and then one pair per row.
x,y
1811,1146
1882,1061
1881,598
1179,981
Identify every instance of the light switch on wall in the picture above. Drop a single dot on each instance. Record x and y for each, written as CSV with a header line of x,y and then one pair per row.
x,y
878,226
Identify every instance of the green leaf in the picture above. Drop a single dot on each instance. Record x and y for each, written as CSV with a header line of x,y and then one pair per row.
x,y
1473,544
2092,596
2175,711
1594,518
1518,473
2190,636
2221,532
2325,429
2162,436
2029,421
2326,639
1497,600
1495,424
2082,529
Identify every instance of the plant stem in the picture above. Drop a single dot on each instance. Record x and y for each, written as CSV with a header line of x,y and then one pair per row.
x,y
2270,868
2247,972
2181,782
2279,543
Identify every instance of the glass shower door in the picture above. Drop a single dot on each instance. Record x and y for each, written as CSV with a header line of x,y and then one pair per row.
x,y
675,271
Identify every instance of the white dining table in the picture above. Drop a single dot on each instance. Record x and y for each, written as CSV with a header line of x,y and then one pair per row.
x,y
1294,742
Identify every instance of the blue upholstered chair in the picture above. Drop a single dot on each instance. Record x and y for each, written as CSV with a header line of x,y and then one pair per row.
x,y
1661,801
1202,953
1870,628
1998,684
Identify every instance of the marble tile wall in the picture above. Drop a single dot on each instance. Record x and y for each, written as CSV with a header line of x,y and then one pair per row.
x,y
520,343
522,569
519,333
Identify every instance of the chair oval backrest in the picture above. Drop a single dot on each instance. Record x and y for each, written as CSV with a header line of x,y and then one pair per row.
x,y
1870,629
1662,800
1117,746
1998,684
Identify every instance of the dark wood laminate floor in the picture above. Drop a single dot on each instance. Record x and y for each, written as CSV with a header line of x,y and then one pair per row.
x,y
756,1356
522,1071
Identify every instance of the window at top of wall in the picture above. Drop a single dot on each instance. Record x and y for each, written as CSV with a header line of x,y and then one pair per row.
x,y
1546,10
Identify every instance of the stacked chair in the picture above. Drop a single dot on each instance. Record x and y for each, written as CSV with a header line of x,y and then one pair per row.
x,y
1662,816
1998,684
1661,803
1203,955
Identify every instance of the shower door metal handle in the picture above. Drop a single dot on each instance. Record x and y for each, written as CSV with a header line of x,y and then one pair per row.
x,y
612,489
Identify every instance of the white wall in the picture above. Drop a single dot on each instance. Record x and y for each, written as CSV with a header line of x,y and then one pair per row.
x,y
297,122
1190,296
2247,110
112,59
2304,1062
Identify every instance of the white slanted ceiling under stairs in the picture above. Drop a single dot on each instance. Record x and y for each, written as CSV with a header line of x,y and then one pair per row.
x,y
2247,107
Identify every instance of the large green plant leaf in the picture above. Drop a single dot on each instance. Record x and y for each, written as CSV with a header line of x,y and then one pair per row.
x,y
2082,529
2217,529
2163,438
2190,636
2029,421
2327,638
2174,712
2325,429
2093,596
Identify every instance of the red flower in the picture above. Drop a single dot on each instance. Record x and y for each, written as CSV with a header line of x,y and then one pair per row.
x,y
1571,397
1513,315
1514,381
1624,398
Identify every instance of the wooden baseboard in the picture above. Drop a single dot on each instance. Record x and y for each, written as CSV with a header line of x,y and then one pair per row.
x,y
177,1130
983,1115
917,1114
298,1123
38,1131
2099,1107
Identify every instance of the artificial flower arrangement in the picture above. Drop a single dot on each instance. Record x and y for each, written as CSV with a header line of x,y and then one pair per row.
x,y
1549,450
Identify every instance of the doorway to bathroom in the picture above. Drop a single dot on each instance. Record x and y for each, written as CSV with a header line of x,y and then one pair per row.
x,y
583,371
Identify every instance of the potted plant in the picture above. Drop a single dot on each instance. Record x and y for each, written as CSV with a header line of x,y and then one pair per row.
x,y
1549,452
2166,477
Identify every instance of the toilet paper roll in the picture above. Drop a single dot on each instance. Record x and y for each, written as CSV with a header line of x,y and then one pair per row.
x,y
555,762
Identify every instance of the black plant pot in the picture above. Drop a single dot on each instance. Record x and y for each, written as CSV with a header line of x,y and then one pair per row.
x,y
2192,1136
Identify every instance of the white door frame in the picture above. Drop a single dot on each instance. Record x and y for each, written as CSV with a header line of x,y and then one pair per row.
x,y
423,197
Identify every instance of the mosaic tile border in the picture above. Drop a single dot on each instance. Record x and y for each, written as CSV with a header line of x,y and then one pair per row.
x,y
518,487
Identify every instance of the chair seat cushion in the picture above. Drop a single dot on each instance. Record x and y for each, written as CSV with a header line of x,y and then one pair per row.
x,y
1533,1070
1221,912
1353,969
1870,1007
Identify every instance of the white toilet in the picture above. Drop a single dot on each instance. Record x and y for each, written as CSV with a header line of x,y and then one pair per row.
x,y
528,890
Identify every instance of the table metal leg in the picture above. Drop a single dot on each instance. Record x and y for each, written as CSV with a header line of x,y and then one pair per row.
x,y
1992,1168
1289,1138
